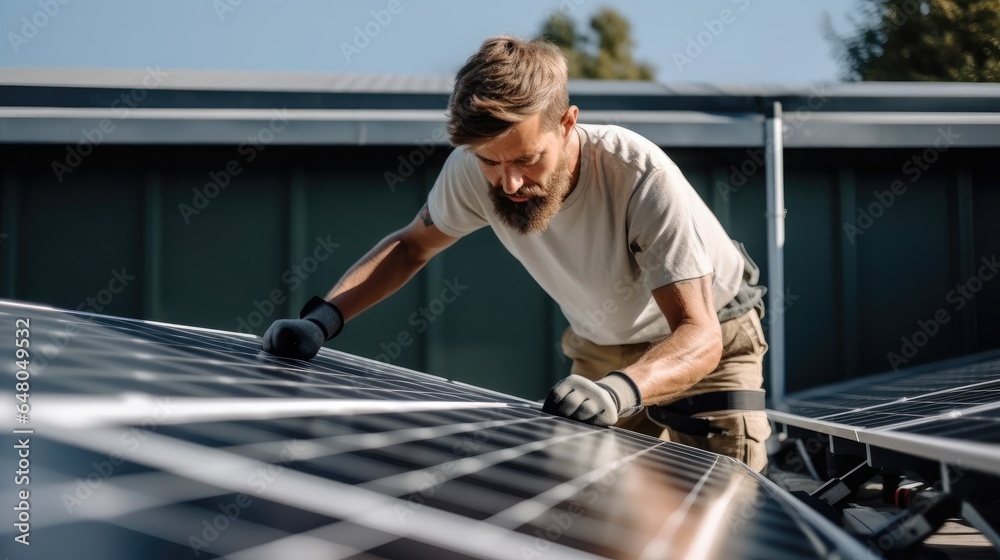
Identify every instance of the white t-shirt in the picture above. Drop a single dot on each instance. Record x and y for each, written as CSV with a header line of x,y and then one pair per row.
x,y
632,224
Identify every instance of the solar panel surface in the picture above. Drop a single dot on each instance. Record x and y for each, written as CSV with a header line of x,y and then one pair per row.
x,y
959,401
159,441
947,412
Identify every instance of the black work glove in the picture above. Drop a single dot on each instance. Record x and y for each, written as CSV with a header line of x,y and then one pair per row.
x,y
302,338
600,403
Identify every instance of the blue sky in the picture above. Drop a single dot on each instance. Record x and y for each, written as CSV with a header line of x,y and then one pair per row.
x,y
756,41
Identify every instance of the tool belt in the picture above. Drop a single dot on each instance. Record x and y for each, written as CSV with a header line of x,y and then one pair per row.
x,y
679,416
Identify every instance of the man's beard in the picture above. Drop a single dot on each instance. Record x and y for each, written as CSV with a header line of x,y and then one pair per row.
x,y
533,215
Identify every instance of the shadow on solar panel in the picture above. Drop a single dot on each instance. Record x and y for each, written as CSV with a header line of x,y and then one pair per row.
x,y
144,440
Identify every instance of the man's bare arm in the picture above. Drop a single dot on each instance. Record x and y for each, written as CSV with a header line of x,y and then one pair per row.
x,y
692,350
389,265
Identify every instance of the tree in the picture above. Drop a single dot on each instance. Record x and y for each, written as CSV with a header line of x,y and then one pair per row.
x,y
922,40
605,54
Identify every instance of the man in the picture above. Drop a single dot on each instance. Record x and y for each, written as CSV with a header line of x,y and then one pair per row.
x,y
603,220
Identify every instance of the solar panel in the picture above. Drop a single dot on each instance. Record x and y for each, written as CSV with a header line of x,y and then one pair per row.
x,y
899,397
146,440
957,401
931,430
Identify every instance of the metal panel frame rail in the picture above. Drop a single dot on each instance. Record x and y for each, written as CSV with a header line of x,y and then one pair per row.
x,y
931,432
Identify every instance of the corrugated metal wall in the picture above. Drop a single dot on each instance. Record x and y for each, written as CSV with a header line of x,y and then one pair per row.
x,y
113,237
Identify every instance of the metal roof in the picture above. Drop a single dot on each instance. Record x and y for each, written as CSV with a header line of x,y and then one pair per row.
x,y
227,80
157,106
395,83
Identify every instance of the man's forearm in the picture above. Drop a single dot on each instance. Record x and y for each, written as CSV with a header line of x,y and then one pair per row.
x,y
674,364
386,268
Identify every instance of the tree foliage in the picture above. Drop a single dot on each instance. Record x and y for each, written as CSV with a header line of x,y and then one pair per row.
x,y
603,54
922,40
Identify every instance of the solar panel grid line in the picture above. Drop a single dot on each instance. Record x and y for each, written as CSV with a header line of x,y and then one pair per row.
x,y
183,384
200,386
973,361
320,447
652,472
921,419
888,393
404,375
252,440
964,428
513,480
175,388
588,527
687,460
302,545
121,496
660,545
321,496
174,524
528,510
705,541
59,411
331,542
448,450
255,431
646,494
923,397
409,481
913,406
464,496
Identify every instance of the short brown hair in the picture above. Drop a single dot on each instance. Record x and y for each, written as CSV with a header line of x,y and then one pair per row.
x,y
507,81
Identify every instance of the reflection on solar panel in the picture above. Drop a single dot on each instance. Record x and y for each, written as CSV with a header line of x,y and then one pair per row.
x,y
157,441
948,412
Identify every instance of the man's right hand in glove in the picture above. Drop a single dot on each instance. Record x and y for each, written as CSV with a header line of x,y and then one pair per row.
x,y
601,403
302,338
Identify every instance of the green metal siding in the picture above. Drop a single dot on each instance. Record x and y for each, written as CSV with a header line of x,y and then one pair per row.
x,y
904,266
986,226
227,257
812,266
70,238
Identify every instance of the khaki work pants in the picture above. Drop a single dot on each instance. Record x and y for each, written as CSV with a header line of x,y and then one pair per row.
x,y
743,348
